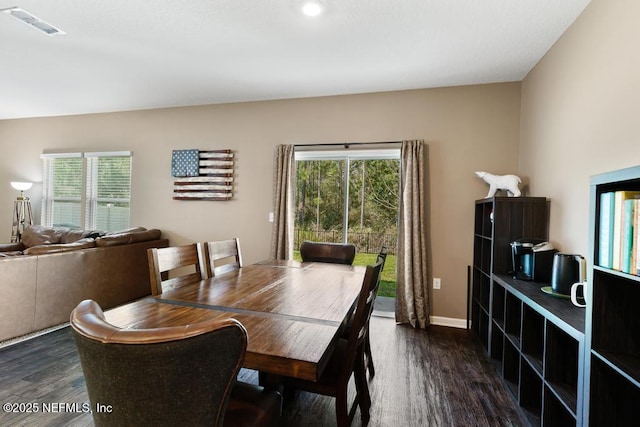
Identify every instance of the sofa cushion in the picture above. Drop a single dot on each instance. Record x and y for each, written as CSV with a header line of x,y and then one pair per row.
x,y
129,236
126,230
70,236
12,247
35,235
8,254
85,243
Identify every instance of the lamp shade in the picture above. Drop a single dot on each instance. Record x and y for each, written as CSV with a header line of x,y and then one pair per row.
x,y
21,186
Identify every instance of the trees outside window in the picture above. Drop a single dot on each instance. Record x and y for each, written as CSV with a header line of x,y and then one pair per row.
x,y
350,197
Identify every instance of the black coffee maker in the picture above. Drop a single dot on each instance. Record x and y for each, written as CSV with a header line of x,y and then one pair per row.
x,y
532,259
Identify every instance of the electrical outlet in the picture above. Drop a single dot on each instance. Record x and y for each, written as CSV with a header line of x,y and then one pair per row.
x,y
436,283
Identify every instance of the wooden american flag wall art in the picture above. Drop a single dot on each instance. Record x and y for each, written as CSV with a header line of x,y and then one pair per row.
x,y
202,174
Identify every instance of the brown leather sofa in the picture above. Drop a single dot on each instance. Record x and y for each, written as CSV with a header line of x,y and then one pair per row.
x,y
46,275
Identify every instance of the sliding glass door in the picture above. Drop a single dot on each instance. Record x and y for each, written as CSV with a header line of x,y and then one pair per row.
x,y
350,196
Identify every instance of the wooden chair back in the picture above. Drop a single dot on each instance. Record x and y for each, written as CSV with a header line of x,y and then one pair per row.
x,y
382,255
222,256
381,258
336,253
158,377
174,266
359,328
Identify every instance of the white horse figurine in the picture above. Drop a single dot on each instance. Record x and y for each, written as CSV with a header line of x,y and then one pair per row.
x,y
510,183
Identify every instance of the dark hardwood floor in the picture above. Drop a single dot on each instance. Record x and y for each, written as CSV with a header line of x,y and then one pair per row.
x,y
438,377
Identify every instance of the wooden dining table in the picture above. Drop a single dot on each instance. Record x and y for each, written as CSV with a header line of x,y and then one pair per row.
x,y
293,312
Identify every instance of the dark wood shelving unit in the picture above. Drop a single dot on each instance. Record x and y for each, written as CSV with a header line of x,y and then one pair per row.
x,y
548,350
498,222
535,341
613,322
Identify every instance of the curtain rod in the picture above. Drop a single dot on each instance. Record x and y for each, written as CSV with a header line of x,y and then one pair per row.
x,y
346,144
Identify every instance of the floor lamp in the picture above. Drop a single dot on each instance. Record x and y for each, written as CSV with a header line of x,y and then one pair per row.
x,y
22,216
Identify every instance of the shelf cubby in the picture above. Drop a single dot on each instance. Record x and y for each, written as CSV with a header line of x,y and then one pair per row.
x,y
531,393
616,333
497,312
485,291
483,327
487,220
475,292
533,336
485,260
497,347
475,316
561,365
555,413
477,252
513,319
614,399
511,367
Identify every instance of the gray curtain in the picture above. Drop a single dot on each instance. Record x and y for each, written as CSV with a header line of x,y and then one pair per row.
x,y
412,298
283,194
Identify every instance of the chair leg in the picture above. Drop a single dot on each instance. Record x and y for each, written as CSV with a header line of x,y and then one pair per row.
x,y
270,381
367,350
342,414
362,388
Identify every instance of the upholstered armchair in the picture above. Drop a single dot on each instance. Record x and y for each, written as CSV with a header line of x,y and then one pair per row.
x,y
182,375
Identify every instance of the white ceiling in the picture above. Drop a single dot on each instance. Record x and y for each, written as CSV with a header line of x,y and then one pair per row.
x,y
122,55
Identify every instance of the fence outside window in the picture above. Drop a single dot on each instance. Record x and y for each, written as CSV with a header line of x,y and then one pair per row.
x,y
365,242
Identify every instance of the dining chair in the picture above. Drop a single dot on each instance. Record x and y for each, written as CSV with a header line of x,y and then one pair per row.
x,y
175,266
347,359
336,253
222,256
179,375
382,255
381,258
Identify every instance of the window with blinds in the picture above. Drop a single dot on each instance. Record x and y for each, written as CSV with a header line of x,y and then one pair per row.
x,y
108,192
87,191
62,190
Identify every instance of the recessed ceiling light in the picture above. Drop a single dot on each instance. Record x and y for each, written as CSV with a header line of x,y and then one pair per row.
x,y
32,21
312,8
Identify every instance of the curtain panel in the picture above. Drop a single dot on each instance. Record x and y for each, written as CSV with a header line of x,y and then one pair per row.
x,y
284,195
412,297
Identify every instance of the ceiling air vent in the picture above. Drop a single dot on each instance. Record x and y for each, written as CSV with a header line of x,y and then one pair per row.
x,y
33,21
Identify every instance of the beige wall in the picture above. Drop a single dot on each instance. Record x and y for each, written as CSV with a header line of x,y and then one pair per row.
x,y
580,114
467,129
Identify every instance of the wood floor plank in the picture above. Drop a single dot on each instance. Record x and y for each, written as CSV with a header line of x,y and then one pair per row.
x,y
438,377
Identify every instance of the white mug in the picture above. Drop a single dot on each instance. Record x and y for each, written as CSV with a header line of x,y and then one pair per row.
x,y
574,293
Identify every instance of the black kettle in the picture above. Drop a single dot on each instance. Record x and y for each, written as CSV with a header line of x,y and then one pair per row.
x,y
567,269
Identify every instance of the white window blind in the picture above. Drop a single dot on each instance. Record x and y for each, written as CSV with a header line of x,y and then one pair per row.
x,y
108,191
87,192
62,190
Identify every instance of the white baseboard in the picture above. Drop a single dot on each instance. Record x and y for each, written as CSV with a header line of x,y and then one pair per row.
x,y
435,320
449,321
16,340
381,313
